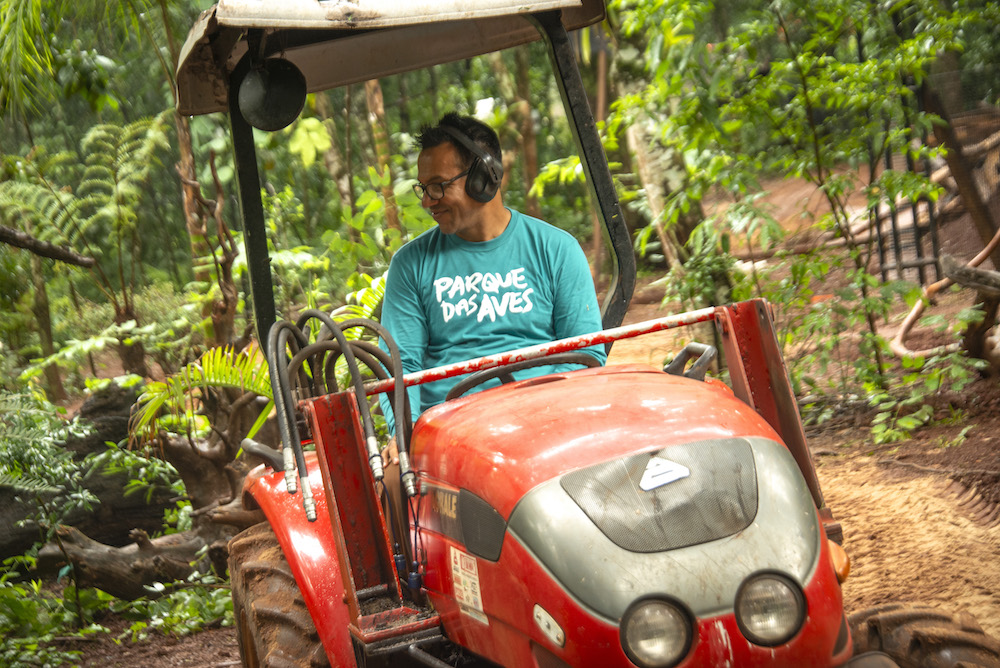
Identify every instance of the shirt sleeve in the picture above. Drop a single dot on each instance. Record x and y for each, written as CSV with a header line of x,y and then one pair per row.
x,y
403,317
575,308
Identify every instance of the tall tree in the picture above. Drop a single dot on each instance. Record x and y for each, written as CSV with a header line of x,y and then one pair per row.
x,y
380,137
97,214
27,60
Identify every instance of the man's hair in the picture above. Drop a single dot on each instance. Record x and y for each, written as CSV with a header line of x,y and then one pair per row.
x,y
481,134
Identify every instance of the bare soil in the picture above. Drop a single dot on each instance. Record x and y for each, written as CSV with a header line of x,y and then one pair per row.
x,y
212,648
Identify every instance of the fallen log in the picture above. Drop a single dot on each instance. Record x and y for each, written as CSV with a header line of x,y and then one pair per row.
x,y
126,571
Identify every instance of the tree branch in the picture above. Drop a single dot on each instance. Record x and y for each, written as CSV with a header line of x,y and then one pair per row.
x,y
23,240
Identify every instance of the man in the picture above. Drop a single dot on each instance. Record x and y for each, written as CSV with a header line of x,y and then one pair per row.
x,y
487,279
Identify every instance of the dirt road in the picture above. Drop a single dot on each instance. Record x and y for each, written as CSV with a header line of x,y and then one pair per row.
x,y
910,540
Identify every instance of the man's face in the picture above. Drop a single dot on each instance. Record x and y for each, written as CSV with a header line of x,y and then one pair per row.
x,y
454,212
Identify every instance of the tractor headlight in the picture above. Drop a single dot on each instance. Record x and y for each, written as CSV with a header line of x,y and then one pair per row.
x,y
656,633
770,609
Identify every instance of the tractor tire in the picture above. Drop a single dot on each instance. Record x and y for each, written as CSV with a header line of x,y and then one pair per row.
x,y
273,626
924,637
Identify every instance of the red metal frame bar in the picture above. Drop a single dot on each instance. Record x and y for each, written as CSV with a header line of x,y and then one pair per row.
x,y
363,540
759,377
545,349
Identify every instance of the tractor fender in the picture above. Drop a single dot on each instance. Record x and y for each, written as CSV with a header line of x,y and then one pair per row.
x,y
311,551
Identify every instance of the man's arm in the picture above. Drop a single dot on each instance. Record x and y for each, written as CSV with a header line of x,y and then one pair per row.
x,y
575,307
403,316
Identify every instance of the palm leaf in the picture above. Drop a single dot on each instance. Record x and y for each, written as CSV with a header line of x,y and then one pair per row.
x,y
179,395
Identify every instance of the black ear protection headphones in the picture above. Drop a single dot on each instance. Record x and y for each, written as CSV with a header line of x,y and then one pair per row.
x,y
485,172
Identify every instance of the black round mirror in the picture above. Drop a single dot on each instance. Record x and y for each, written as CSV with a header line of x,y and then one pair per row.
x,y
272,94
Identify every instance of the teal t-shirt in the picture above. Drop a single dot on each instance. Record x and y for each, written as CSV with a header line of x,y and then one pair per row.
x,y
449,300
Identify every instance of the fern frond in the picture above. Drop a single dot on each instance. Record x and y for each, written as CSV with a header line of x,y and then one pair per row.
x,y
363,303
27,483
245,370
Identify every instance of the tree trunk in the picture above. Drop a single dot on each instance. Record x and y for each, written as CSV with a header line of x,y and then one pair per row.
x,y
653,173
43,320
380,135
125,572
980,213
335,166
132,356
193,221
224,308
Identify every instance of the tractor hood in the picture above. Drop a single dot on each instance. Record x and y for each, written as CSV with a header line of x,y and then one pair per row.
x,y
690,522
339,42
501,443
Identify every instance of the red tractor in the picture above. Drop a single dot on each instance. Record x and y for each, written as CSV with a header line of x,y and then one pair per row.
x,y
618,516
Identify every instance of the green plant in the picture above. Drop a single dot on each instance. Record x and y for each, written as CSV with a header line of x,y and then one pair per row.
x,y
956,440
45,474
145,474
910,405
364,244
174,404
31,618
179,608
815,91
97,215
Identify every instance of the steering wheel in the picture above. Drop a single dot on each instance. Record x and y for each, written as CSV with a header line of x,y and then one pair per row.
x,y
505,373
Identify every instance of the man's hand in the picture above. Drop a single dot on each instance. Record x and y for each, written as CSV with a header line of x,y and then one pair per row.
x,y
390,454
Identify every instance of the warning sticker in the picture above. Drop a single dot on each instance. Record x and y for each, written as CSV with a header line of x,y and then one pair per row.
x,y
465,575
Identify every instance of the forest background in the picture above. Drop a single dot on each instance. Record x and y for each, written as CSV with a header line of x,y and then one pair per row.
x,y
122,256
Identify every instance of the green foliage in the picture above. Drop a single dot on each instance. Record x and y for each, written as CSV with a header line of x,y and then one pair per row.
x,y
34,463
86,73
74,351
365,302
24,59
96,215
820,92
910,406
308,139
179,609
366,244
98,212
173,405
696,282
43,473
31,438
145,474
956,440
322,273
31,618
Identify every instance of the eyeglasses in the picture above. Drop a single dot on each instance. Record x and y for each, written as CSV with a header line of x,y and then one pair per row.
x,y
435,190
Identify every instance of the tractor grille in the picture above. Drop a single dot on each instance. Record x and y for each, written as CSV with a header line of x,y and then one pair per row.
x,y
717,499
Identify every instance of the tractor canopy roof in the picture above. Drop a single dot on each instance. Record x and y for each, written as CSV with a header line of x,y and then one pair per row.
x,y
339,42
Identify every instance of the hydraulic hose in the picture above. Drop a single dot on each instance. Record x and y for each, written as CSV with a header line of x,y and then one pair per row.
x,y
400,407
294,457
374,456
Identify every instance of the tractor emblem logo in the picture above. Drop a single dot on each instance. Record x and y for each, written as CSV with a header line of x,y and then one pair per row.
x,y
660,472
